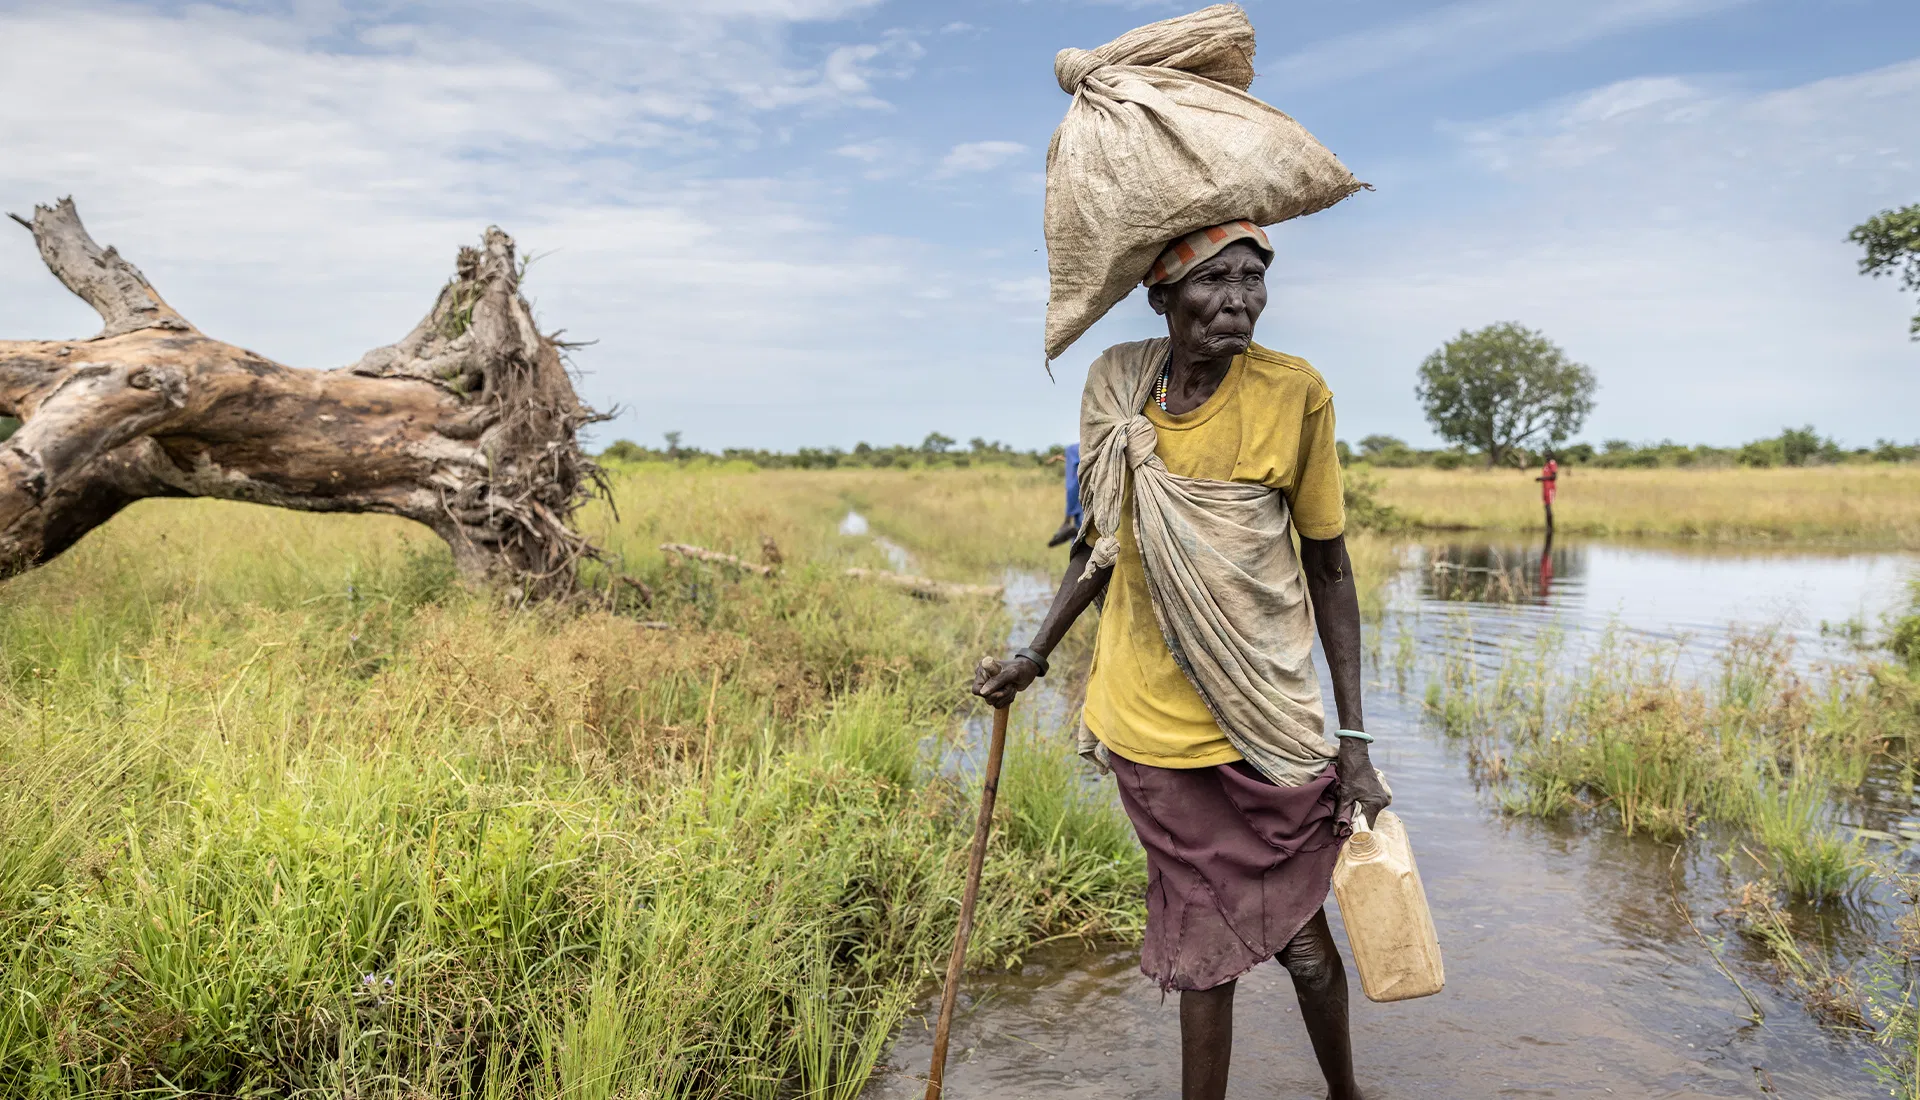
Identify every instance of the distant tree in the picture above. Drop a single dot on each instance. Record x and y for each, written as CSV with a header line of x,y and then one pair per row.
x,y
1887,450
1389,451
673,444
1762,453
624,450
1792,447
1892,241
1797,445
1374,446
1501,387
936,444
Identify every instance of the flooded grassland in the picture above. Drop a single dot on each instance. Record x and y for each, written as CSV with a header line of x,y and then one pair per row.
x,y
288,810
1584,957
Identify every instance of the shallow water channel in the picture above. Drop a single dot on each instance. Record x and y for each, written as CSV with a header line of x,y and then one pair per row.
x,y
1571,969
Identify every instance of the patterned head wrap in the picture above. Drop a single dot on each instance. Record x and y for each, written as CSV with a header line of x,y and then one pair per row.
x,y
1202,245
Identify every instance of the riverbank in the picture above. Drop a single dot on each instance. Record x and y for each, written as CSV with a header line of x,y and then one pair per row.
x,y
1861,504
288,810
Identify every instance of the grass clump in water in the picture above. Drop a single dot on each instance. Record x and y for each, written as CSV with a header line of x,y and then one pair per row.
x,y
1893,990
1761,748
1793,820
1801,964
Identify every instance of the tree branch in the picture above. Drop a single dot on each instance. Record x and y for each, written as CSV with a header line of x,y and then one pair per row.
x,y
113,287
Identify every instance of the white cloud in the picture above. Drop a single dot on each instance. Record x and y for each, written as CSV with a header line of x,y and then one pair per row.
x,y
1474,33
298,183
851,70
1686,242
979,156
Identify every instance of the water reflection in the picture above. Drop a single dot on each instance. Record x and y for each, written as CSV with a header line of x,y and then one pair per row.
x,y
1487,573
1493,591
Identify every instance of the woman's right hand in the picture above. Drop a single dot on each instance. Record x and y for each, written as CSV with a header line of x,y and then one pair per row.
x,y
999,681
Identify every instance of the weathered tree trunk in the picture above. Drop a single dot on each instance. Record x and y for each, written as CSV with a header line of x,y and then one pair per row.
x,y
468,425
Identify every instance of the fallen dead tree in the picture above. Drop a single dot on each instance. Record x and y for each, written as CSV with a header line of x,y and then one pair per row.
x,y
926,586
467,425
701,553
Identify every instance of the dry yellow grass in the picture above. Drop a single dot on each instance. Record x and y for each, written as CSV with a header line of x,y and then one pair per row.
x,y
1878,504
961,525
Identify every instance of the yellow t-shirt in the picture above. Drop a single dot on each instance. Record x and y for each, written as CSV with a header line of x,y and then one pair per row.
x,y
1270,423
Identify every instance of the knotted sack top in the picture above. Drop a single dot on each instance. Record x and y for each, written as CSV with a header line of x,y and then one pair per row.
x,y
1162,139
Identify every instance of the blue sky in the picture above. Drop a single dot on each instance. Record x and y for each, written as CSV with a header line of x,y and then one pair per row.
x,y
813,222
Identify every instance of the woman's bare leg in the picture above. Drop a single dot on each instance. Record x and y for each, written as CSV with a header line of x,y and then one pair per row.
x,y
1320,981
1206,1041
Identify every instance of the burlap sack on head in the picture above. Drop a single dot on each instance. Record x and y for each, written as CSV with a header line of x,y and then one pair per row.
x,y
1162,139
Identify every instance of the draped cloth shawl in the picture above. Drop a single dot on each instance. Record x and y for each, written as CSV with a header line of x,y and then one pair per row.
x,y
1220,567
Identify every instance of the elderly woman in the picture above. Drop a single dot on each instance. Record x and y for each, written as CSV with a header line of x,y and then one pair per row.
x,y
1199,452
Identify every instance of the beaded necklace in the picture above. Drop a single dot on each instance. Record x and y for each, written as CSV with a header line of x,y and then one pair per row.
x,y
1160,387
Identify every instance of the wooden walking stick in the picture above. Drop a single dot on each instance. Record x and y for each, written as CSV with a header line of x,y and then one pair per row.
x,y
937,1073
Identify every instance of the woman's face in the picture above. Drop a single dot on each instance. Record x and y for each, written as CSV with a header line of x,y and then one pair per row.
x,y
1210,313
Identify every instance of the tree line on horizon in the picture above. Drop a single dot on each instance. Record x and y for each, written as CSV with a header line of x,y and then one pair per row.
x,y
1792,447
1502,396
936,450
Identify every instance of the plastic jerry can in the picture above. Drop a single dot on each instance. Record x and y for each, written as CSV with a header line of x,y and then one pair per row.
x,y
1385,910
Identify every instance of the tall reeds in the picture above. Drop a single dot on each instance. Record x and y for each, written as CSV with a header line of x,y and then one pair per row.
x,y
1762,747
288,812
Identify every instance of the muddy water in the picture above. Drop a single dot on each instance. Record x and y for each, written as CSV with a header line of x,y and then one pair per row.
x,y
853,524
1571,968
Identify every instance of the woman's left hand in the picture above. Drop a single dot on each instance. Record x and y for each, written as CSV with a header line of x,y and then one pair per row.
x,y
1359,784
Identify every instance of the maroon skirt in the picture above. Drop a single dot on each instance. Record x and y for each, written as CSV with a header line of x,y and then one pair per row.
x,y
1235,865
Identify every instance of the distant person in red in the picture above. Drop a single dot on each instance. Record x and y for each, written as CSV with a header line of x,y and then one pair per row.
x,y
1548,479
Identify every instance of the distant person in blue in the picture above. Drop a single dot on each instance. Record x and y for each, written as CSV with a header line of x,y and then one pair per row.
x,y
1072,525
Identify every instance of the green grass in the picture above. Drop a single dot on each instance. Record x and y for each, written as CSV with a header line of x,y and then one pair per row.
x,y
287,812
1893,989
1762,748
1793,820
